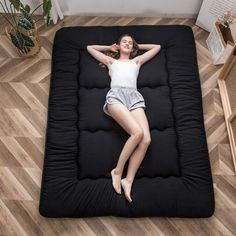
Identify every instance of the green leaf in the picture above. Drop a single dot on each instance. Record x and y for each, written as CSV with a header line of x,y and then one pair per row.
x,y
24,11
27,8
25,20
21,41
16,4
17,41
27,40
26,23
47,5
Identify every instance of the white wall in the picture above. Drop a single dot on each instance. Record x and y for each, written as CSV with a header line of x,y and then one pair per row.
x,y
139,8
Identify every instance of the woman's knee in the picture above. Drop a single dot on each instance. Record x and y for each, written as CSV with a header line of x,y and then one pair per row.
x,y
146,140
121,114
137,133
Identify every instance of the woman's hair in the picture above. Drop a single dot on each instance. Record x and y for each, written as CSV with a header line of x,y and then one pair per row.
x,y
116,55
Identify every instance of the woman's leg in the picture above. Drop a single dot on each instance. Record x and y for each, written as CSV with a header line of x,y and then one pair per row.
x,y
139,153
123,116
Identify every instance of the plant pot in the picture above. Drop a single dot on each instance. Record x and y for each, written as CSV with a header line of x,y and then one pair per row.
x,y
33,34
226,33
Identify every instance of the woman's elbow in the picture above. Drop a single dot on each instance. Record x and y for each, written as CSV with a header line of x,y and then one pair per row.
x,y
158,47
90,48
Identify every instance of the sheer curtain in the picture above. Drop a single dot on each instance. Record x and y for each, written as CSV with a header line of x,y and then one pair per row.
x,y
55,11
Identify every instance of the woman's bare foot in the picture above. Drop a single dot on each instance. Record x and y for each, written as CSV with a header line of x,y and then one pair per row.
x,y
126,185
116,180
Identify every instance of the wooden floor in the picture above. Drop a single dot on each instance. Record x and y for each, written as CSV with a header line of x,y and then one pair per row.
x,y
24,89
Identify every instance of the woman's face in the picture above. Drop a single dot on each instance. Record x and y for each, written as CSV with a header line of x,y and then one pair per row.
x,y
126,44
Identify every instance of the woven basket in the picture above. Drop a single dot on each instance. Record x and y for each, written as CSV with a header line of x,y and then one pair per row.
x,y
33,34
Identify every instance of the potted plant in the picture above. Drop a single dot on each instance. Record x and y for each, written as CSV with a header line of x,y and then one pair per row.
x,y
22,31
224,23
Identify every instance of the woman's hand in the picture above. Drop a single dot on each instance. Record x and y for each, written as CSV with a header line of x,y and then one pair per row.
x,y
114,47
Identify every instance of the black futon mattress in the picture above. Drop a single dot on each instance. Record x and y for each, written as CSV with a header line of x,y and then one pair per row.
x,y
83,143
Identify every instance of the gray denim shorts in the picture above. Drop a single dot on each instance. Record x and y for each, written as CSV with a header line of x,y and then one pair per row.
x,y
130,97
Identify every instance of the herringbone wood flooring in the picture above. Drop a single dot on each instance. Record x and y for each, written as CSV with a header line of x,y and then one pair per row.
x,y
24,89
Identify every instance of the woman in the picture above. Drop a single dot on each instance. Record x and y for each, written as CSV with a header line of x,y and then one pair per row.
x,y
125,104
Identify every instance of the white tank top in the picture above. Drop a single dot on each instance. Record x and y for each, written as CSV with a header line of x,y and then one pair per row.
x,y
124,73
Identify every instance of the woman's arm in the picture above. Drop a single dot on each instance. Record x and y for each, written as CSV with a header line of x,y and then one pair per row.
x,y
147,46
95,51
153,49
